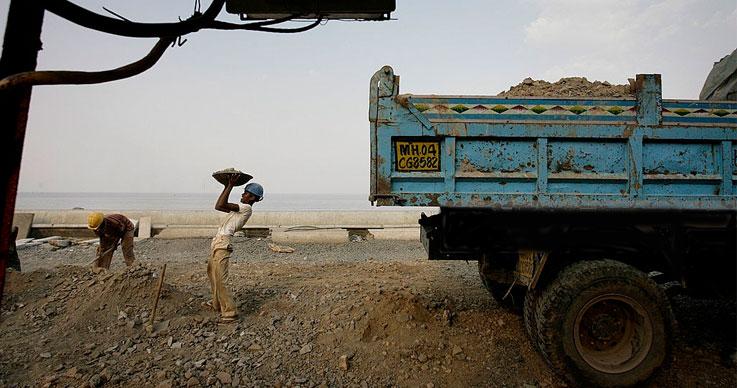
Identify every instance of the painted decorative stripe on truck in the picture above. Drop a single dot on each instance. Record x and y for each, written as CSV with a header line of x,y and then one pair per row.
x,y
475,108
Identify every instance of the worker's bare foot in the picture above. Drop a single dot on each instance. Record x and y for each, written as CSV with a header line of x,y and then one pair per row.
x,y
208,305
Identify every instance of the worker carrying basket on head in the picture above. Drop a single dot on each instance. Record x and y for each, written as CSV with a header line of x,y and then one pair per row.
x,y
221,247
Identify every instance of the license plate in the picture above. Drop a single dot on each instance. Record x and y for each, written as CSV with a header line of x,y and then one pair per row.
x,y
418,156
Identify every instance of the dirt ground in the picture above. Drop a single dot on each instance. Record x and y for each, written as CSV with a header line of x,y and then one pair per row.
x,y
360,314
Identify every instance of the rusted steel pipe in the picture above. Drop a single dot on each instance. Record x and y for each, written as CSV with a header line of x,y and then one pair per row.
x,y
20,52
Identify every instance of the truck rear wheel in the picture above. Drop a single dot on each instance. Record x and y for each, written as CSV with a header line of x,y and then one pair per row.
x,y
528,316
604,323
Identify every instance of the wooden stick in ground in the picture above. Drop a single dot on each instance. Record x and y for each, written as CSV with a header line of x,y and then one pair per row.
x,y
158,292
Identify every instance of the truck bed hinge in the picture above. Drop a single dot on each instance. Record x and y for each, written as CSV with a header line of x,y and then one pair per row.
x,y
422,119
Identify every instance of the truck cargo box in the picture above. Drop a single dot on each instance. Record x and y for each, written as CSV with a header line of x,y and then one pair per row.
x,y
565,153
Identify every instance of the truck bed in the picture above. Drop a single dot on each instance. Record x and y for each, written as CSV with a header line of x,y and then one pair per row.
x,y
551,153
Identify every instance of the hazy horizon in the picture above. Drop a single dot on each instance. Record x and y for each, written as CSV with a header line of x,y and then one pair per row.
x,y
292,109
195,201
236,189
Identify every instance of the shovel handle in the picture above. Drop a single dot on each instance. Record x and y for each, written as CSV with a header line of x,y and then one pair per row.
x,y
158,292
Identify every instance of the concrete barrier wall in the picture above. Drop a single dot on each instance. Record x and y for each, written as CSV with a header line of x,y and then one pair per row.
x,y
201,223
359,219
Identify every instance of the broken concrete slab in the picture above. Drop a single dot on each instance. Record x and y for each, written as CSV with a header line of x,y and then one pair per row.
x,y
144,227
90,242
60,243
23,221
47,239
179,231
28,244
396,234
325,236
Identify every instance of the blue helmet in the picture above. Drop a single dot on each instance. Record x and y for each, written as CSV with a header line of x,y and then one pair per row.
x,y
255,189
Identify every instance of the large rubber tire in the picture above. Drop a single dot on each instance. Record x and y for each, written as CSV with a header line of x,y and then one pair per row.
x,y
604,323
513,301
532,299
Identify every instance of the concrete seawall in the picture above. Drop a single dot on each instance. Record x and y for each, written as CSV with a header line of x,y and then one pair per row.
x,y
299,226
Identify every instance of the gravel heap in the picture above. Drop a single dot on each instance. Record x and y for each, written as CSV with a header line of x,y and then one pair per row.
x,y
363,314
569,87
72,327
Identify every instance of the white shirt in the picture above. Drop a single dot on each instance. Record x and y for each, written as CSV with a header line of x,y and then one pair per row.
x,y
234,221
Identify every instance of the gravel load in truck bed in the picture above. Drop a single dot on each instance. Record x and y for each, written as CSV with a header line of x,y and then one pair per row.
x,y
569,87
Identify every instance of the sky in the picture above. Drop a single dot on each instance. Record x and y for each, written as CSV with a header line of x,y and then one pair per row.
x,y
292,109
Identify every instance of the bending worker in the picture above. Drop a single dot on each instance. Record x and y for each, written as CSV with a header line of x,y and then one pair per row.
x,y
112,229
221,248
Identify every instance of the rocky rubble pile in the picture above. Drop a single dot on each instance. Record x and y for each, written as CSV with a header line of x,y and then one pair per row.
x,y
76,328
569,87
77,314
369,314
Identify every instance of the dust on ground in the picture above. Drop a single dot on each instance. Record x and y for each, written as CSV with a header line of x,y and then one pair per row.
x,y
360,314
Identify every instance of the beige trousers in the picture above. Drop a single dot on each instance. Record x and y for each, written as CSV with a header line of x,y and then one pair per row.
x,y
217,271
106,249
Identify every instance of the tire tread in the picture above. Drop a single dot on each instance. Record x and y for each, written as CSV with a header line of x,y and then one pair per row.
x,y
548,314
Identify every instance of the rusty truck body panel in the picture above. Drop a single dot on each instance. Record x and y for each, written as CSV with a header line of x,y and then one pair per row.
x,y
553,153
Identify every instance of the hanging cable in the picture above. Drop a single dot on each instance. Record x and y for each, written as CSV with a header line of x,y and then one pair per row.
x,y
218,25
92,20
118,15
272,21
124,27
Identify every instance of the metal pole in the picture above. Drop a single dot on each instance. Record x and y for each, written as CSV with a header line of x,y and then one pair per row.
x,y
20,51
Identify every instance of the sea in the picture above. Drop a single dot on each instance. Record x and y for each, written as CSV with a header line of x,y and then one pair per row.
x,y
194,201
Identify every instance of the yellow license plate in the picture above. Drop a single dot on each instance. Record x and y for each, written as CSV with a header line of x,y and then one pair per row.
x,y
418,156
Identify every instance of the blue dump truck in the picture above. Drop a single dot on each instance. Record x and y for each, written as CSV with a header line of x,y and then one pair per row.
x,y
578,211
